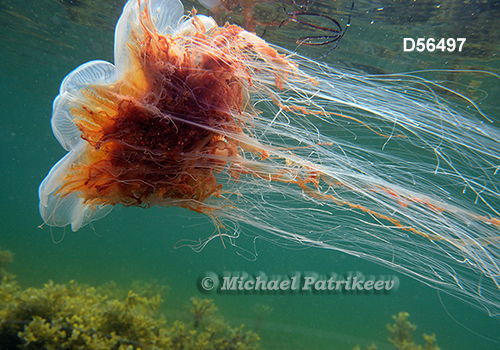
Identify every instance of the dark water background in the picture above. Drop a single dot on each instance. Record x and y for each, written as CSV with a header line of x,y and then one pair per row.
x,y
42,41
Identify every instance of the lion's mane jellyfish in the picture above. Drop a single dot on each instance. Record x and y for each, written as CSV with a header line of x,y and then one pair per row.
x,y
264,141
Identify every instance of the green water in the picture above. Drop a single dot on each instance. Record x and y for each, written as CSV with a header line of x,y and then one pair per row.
x,y
42,41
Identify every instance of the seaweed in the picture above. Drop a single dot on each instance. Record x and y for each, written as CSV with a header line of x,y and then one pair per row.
x,y
76,316
6,258
262,312
402,335
202,310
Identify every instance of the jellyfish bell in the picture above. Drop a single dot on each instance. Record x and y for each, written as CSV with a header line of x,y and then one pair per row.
x,y
216,120
210,4
76,92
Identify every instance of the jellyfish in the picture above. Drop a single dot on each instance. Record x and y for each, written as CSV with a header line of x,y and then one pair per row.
x,y
394,169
